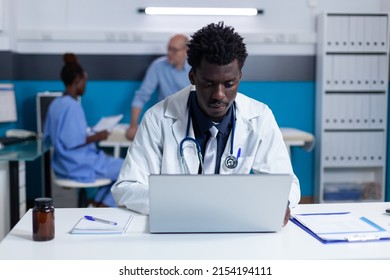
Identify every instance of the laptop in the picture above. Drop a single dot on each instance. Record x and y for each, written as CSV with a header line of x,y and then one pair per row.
x,y
218,203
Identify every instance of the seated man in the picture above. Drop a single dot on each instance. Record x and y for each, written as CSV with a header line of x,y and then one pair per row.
x,y
247,129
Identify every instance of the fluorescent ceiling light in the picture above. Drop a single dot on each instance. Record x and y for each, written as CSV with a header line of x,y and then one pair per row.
x,y
201,11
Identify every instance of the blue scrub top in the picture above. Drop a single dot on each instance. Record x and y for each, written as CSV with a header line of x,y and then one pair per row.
x,y
66,130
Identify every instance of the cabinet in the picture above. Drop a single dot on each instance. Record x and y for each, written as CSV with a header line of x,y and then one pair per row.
x,y
351,107
5,194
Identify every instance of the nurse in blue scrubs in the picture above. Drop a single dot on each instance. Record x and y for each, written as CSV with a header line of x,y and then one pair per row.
x,y
76,155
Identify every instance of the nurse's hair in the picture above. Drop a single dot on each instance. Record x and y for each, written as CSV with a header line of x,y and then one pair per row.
x,y
71,69
217,44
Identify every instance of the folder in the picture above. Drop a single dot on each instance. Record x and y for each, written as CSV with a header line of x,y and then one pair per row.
x,y
340,227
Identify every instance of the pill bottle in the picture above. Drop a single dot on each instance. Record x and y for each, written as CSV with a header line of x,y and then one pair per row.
x,y
43,219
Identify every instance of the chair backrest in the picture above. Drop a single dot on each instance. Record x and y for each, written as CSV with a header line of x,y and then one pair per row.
x,y
43,101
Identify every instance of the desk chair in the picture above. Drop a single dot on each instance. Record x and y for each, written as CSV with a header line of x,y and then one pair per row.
x,y
82,193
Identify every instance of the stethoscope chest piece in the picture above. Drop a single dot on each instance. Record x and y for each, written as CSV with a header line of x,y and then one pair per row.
x,y
231,162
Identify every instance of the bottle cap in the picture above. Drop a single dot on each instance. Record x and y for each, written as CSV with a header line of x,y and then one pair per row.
x,y
43,201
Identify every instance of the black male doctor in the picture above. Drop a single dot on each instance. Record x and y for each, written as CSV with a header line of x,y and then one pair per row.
x,y
173,134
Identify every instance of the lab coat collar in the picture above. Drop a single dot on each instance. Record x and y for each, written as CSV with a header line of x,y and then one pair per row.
x,y
177,109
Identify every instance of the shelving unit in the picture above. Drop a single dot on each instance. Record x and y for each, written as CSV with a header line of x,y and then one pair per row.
x,y
351,107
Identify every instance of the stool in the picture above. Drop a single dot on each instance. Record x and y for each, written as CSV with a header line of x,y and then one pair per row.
x,y
82,195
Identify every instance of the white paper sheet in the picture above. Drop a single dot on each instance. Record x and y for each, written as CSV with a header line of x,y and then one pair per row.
x,y
107,123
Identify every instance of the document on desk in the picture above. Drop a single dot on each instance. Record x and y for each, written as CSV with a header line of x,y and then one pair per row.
x,y
340,227
102,224
107,123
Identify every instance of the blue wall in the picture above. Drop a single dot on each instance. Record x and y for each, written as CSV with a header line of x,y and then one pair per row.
x,y
291,102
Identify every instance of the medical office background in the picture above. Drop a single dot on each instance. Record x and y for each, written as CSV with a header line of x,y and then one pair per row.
x,y
116,42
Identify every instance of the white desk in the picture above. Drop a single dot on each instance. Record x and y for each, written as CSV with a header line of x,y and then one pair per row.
x,y
292,137
295,137
137,244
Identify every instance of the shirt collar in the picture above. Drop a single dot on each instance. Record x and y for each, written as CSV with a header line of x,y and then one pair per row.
x,y
202,123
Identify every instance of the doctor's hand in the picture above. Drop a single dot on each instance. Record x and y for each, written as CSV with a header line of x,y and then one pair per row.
x,y
287,216
131,131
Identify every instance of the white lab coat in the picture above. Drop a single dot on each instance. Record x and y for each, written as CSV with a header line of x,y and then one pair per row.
x,y
155,149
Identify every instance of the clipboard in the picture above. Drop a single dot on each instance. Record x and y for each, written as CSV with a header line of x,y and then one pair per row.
x,y
340,227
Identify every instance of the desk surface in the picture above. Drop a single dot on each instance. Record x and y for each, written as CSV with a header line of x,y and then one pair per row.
x,y
290,243
290,134
292,137
28,150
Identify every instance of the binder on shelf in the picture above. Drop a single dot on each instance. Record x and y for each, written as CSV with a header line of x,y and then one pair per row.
x,y
351,69
383,73
374,74
359,109
377,111
368,34
376,34
343,74
382,34
328,72
354,33
340,227
344,30
360,28
366,99
332,34
336,72
359,72
367,68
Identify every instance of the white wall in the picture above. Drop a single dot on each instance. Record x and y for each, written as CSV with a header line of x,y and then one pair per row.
x,y
115,26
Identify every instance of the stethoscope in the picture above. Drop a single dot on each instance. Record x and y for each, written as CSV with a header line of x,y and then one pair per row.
x,y
231,161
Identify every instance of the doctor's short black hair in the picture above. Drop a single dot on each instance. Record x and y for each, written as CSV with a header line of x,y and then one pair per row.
x,y
218,44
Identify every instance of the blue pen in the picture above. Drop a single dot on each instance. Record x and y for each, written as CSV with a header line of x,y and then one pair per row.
x,y
238,153
323,214
94,219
